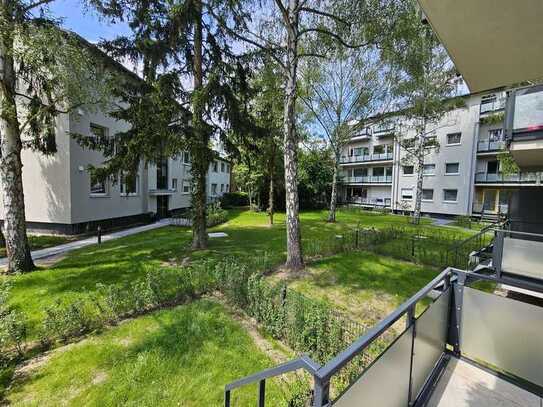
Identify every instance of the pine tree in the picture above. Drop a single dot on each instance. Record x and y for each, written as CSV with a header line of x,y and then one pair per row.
x,y
44,72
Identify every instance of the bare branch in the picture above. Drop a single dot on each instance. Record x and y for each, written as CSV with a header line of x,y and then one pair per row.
x,y
333,35
36,4
324,14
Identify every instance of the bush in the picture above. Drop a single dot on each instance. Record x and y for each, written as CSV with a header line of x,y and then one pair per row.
x,y
12,325
216,215
233,199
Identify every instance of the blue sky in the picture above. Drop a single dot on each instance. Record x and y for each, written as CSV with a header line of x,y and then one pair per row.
x,y
86,23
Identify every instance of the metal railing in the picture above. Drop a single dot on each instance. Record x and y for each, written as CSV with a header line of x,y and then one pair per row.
x,y
461,322
518,253
521,177
366,158
488,145
385,202
492,105
373,179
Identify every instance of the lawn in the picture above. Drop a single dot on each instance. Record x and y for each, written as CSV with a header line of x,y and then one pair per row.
x,y
182,356
365,285
41,242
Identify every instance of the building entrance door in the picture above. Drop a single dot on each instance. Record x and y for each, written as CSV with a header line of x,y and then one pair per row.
x,y
489,200
162,209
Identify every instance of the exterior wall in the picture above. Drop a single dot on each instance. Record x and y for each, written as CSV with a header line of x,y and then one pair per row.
x,y
46,180
220,178
86,207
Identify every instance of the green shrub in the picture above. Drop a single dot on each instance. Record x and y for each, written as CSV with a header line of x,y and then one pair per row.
x,y
12,325
234,199
463,221
216,215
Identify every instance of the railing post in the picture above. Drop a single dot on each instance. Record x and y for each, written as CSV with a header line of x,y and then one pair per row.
x,y
262,393
455,316
321,392
411,321
99,234
497,253
227,398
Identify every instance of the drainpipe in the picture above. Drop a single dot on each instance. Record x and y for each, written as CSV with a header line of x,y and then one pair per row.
x,y
473,163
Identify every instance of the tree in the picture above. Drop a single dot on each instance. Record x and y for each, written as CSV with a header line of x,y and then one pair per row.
x,y
44,72
340,94
316,169
424,92
186,40
247,178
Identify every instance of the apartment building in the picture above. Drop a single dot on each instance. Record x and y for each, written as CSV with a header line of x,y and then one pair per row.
x,y
60,195
462,177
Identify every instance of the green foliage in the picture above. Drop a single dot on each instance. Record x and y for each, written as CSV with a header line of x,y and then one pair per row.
x,y
12,326
234,199
508,165
315,169
216,215
463,221
496,118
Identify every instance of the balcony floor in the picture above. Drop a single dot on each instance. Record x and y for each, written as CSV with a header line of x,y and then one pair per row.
x,y
465,385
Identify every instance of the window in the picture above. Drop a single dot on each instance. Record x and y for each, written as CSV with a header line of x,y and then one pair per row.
x,y
429,169
215,166
452,168
129,184
450,195
98,187
227,188
454,138
174,184
100,133
427,194
186,157
360,172
407,193
222,167
222,187
186,187
213,189
495,135
408,170
228,168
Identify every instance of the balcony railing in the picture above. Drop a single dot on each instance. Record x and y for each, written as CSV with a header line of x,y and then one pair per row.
x,y
492,105
369,179
386,202
488,145
462,323
480,208
499,178
384,129
366,158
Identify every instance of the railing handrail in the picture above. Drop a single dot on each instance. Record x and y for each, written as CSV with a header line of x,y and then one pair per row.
x,y
303,362
330,368
514,232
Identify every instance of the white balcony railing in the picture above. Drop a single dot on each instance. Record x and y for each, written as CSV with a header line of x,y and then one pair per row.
x,y
497,178
373,179
365,158
492,105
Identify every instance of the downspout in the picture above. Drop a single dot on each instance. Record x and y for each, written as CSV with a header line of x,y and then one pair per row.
x,y
471,190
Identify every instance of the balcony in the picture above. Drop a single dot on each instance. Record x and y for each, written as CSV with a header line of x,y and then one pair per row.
x,y
384,202
499,178
481,209
373,179
362,135
384,130
366,158
468,348
492,105
488,145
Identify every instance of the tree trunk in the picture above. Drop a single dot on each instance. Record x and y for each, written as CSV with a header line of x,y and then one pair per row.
x,y
294,237
200,154
333,197
271,172
418,193
11,179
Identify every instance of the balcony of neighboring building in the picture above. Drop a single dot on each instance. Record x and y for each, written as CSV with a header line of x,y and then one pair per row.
x,y
374,175
492,104
362,135
359,155
365,196
500,178
162,187
384,129
491,142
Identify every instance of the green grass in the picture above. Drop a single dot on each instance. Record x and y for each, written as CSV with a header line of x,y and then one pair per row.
x,y
41,242
128,258
183,356
365,285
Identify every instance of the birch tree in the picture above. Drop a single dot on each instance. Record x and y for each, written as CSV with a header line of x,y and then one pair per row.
x,y
341,94
424,92
44,72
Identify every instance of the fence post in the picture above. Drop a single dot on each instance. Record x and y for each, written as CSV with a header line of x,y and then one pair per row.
x,y
99,235
262,393
357,237
227,398
411,321
455,316
497,253
413,246
321,392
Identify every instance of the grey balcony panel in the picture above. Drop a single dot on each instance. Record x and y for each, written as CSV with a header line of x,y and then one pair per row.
x,y
386,382
430,340
523,257
504,333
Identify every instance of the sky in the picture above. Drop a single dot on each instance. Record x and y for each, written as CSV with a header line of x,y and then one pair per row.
x,y
86,23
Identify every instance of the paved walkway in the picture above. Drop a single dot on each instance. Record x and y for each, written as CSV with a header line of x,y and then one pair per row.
x,y
68,247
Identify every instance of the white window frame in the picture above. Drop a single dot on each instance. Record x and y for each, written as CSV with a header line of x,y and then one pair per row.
x,y
174,184
454,134
186,158
427,199
213,191
404,198
452,173
450,189
408,175
432,173
122,186
187,185
104,194
215,166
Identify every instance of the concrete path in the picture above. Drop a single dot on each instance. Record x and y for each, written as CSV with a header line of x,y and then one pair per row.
x,y
78,244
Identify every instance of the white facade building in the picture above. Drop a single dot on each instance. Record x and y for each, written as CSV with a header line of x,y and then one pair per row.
x,y
462,178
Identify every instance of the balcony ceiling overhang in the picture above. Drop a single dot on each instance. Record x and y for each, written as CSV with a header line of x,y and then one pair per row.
x,y
493,43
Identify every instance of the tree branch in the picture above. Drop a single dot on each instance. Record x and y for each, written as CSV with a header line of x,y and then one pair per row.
x,y
333,35
324,14
36,4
